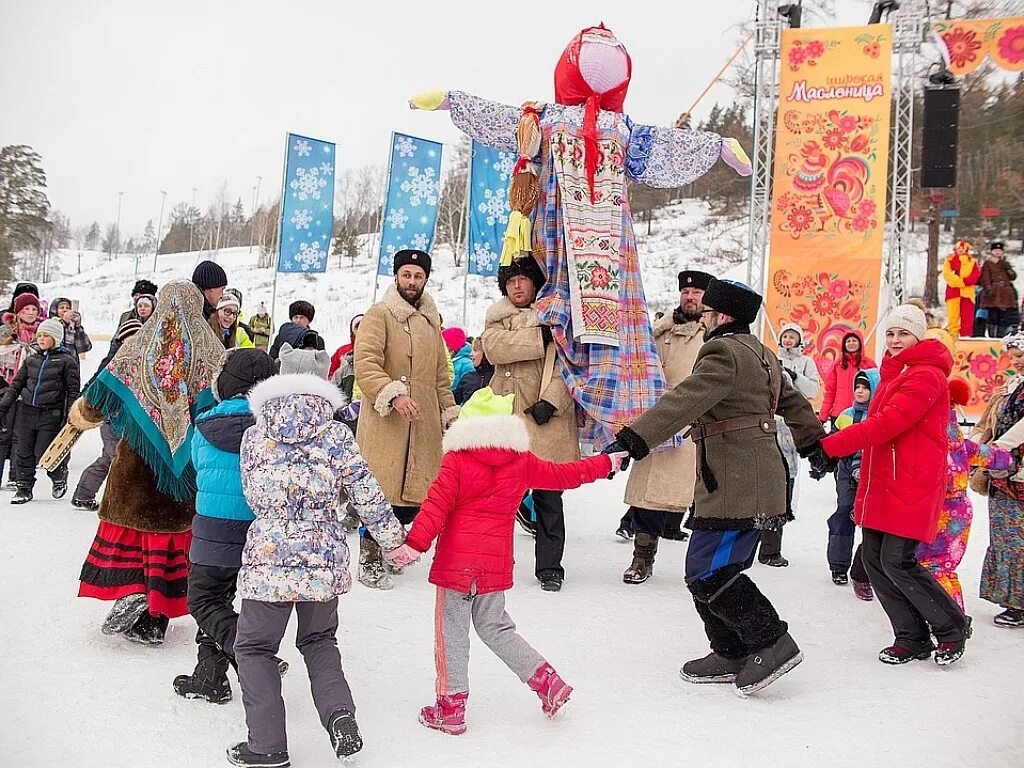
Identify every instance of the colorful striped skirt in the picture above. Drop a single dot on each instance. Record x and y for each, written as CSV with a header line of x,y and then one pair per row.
x,y
123,561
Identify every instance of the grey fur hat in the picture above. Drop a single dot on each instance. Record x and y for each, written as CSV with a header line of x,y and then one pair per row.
x,y
314,361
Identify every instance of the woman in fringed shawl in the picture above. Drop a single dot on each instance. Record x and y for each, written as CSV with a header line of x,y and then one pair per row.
x,y
575,156
149,394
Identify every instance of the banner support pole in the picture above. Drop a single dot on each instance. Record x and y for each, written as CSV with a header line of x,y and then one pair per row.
x,y
383,216
280,224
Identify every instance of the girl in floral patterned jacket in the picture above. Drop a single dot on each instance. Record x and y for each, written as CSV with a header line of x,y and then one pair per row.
x,y
295,462
942,556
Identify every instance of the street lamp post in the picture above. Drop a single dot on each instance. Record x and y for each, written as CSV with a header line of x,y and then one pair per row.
x,y
117,226
252,219
159,227
192,219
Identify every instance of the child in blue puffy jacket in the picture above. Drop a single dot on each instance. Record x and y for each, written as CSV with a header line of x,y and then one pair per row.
x,y
222,520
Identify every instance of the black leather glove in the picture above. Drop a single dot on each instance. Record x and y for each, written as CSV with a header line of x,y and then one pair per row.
x,y
541,412
821,463
617,447
545,333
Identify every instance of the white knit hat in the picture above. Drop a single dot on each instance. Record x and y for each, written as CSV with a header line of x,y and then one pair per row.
x,y
909,318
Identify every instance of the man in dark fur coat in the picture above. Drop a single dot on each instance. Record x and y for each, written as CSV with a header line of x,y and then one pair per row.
x,y
729,403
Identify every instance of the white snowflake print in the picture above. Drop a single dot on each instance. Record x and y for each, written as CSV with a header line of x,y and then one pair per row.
x,y
419,241
504,164
310,255
303,148
421,187
484,258
308,183
301,218
405,147
494,207
397,218
326,169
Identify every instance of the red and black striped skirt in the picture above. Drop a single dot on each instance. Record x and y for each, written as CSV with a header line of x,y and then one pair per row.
x,y
123,561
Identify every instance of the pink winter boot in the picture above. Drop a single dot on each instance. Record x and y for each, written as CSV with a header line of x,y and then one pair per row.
x,y
448,714
552,689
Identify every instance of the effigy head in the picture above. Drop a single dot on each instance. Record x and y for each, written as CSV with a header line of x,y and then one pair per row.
x,y
594,64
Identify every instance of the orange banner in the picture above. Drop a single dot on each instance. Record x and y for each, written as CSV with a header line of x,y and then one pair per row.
x,y
969,41
985,366
829,184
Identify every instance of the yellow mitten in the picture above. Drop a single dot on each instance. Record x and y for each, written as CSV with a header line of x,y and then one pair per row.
x,y
430,100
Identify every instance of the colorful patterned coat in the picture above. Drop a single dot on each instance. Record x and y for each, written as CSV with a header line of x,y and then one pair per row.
x,y
295,462
593,298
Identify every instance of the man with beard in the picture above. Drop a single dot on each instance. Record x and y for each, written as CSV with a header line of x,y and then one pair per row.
x,y
402,370
663,483
729,403
519,346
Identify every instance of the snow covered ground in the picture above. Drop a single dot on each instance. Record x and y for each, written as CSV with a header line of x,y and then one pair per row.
x,y
74,696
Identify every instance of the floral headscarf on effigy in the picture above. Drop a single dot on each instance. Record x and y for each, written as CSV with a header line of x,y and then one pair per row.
x,y
157,382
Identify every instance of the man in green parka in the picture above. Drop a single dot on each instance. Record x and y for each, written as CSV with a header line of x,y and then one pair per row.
x,y
728,404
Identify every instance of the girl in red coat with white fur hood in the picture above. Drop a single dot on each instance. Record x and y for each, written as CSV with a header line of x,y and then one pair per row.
x,y
471,509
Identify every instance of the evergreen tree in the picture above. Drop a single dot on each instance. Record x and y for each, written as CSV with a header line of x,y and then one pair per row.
x,y
92,237
24,207
148,237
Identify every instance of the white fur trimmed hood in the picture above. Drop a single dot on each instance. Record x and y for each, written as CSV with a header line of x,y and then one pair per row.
x,y
283,385
501,432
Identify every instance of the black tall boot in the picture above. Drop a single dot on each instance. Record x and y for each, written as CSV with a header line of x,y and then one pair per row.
x,y
641,569
209,680
728,654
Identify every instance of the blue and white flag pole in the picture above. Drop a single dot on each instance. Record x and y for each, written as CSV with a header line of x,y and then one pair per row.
x,y
383,213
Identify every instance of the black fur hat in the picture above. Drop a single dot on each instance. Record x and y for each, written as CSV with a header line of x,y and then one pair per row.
x,y
734,299
524,265
693,278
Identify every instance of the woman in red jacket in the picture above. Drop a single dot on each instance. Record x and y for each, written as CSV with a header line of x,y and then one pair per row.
x,y
839,380
471,509
902,487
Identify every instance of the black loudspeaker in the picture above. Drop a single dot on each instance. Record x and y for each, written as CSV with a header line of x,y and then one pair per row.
x,y
941,132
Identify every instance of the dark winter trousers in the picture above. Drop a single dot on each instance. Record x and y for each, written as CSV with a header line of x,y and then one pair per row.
x,y
1001,322
840,539
737,618
406,515
36,428
8,441
260,629
94,475
550,542
911,598
211,596
649,521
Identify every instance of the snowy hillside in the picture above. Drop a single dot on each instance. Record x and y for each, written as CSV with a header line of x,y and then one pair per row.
x,y
683,235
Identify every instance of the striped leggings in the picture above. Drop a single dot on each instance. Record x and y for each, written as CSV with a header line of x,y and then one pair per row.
x,y
453,613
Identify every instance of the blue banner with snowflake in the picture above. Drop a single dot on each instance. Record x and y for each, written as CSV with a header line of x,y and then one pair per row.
x,y
307,213
490,173
414,191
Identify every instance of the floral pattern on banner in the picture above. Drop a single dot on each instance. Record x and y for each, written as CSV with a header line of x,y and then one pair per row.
x,y
825,305
828,163
808,51
985,366
969,41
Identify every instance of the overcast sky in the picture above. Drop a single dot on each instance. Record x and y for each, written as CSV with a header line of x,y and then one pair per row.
x,y
140,96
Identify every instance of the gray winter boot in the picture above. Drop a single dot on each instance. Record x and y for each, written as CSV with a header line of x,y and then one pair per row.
x,y
767,665
712,669
371,565
641,569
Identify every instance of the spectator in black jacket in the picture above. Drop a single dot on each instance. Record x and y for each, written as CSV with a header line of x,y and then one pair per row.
x,y
295,331
47,384
478,378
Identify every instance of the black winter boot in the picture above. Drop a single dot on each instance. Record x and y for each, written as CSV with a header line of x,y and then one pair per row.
x,y
344,733
728,654
90,504
673,530
712,669
23,496
645,547
767,665
240,754
148,629
125,612
209,681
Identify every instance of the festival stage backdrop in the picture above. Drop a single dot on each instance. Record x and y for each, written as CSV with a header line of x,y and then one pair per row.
x,y
489,178
829,185
307,213
414,190
969,41
985,366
